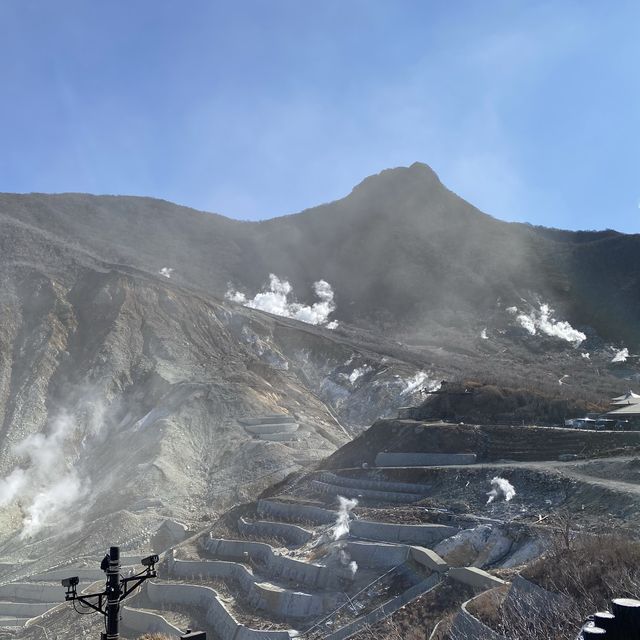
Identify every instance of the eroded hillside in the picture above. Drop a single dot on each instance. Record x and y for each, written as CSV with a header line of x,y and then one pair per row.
x,y
122,396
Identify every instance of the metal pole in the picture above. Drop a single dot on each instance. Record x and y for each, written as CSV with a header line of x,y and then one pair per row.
x,y
113,594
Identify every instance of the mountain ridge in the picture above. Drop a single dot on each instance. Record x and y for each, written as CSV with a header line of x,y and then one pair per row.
x,y
402,251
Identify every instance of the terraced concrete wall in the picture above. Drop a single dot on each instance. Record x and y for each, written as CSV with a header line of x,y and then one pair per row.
x,y
474,577
85,575
217,616
270,428
526,599
465,626
290,532
14,622
278,437
147,622
369,494
371,555
312,575
25,609
423,459
422,534
428,558
374,485
32,592
274,418
299,512
282,602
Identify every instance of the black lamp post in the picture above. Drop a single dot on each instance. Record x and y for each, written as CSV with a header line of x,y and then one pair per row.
x,y
117,588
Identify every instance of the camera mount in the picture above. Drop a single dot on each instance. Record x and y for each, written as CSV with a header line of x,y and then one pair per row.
x,y
117,588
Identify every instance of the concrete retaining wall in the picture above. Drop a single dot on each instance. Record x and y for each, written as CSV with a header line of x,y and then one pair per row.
x,y
299,512
32,592
85,575
282,602
278,437
375,485
289,532
422,534
466,626
25,609
147,622
368,494
272,418
284,427
423,459
475,577
217,616
429,559
13,621
312,575
370,555
526,599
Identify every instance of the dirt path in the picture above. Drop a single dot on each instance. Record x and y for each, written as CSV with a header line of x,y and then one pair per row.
x,y
573,470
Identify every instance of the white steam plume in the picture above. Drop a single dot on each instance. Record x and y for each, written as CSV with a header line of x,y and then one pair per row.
x,y
341,527
166,271
501,488
412,384
358,373
45,483
276,300
543,322
621,355
346,561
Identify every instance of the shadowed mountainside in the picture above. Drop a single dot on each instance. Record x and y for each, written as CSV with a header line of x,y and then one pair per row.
x,y
402,252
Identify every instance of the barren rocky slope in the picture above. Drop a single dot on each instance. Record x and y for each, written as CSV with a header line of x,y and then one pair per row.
x,y
121,396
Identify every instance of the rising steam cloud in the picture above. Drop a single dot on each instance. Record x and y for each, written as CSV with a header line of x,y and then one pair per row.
x,y
341,527
276,300
501,489
45,484
542,321
415,383
621,355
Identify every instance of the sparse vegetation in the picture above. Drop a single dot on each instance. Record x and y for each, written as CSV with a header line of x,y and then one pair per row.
x,y
581,575
489,403
417,620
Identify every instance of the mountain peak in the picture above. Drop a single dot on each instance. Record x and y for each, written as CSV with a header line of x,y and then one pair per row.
x,y
418,175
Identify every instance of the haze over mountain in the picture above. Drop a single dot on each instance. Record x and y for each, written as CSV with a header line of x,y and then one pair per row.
x,y
124,372
401,251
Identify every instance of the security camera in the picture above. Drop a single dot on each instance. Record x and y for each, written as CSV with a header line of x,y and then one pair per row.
x,y
149,561
70,582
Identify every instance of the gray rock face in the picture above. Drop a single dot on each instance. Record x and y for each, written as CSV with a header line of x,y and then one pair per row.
x,y
121,395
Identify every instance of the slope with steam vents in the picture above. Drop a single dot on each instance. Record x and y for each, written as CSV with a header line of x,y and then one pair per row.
x,y
408,254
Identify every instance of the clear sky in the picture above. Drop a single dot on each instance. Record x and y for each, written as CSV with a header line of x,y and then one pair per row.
x,y
257,108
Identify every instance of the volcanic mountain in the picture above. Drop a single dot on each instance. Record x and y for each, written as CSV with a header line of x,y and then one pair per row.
x,y
402,251
126,377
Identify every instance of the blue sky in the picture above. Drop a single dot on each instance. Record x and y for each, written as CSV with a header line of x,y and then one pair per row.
x,y
529,110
